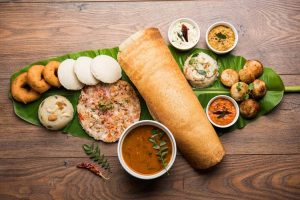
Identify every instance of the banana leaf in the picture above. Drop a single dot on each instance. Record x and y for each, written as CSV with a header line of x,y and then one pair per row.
x,y
29,112
273,97
273,81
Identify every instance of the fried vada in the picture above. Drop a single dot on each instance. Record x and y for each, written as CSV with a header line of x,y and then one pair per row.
x,y
50,73
20,90
36,80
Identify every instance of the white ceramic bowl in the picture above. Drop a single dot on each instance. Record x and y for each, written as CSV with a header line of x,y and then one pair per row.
x,y
142,123
224,24
235,105
187,20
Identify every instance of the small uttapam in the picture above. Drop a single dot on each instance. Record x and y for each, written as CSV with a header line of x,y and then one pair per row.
x,y
106,110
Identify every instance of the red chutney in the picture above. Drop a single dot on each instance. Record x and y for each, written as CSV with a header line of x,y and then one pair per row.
x,y
222,111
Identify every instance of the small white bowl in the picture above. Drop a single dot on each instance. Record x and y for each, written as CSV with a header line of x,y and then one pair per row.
x,y
142,123
189,21
224,24
235,105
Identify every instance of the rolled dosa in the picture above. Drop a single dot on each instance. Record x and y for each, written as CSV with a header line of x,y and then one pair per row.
x,y
149,64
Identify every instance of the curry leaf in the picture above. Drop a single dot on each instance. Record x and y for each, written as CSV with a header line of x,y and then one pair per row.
x,y
162,143
160,146
95,155
164,148
202,72
151,140
156,146
154,131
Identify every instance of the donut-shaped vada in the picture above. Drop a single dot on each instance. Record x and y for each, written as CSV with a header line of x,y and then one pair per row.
x,y
36,80
20,90
50,73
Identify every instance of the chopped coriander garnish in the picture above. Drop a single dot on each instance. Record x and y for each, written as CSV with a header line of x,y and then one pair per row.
x,y
104,106
193,61
221,36
238,87
251,86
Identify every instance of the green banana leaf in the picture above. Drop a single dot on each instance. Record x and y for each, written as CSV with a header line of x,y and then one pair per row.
x,y
273,97
273,81
29,112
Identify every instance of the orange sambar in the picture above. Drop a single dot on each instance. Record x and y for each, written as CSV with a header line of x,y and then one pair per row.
x,y
138,152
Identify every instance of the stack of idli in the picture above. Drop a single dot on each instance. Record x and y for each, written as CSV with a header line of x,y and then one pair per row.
x,y
75,74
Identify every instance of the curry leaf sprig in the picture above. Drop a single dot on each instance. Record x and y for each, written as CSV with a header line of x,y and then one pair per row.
x,y
94,153
160,146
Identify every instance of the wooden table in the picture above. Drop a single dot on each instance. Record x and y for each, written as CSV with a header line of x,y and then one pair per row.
x,y
263,159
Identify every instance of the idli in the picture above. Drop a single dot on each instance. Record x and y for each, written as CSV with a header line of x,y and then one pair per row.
x,y
106,69
82,69
67,76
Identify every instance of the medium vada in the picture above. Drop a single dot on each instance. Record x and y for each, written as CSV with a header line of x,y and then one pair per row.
x,y
20,90
50,73
36,80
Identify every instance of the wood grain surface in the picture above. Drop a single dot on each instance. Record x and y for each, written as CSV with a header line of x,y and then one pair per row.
x,y
237,177
263,159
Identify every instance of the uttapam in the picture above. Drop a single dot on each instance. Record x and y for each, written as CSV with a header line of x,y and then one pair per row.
x,y
106,110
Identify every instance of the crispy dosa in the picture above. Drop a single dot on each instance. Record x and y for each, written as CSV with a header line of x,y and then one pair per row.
x,y
149,64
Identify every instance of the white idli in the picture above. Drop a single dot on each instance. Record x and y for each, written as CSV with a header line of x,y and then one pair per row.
x,y
82,69
106,69
67,76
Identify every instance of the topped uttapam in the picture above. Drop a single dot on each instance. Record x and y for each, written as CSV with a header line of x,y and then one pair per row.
x,y
106,110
